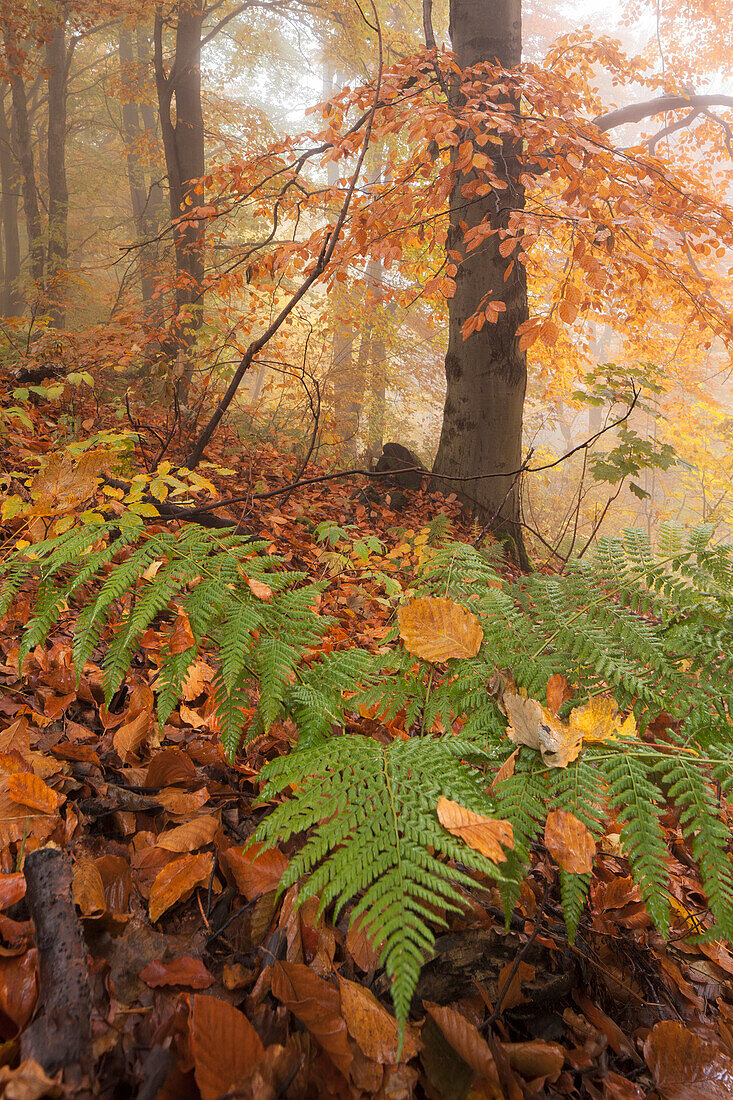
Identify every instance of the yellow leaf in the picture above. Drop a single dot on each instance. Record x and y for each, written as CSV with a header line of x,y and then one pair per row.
x,y
88,889
599,720
437,629
484,834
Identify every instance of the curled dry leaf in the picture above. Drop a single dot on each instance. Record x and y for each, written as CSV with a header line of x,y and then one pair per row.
x,y
532,725
224,1046
685,1066
376,1031
88,889
569,842
486,835
437,629
29,1082
189,836
186,971
317,1005
177,880
182,802
29,790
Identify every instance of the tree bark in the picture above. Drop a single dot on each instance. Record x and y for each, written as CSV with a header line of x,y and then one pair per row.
x,y
12,299
183,143
143,214
486,374
25,156
58,193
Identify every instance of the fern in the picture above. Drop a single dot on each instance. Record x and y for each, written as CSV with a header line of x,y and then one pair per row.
x,y
370,812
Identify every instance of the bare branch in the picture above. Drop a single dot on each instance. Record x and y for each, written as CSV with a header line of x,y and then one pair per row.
x,y
637,112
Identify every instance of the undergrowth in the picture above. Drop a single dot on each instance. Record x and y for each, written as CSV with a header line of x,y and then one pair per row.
x,y
653,629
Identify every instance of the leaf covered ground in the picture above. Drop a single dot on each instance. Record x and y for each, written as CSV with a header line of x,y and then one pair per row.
x,y
204,981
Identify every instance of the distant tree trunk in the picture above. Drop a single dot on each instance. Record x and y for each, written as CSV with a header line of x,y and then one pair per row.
x,y
183,143
486,374
27,167
57,63
12,299
140,198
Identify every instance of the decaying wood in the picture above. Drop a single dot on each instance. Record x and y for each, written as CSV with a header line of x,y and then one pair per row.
x,y
60,1037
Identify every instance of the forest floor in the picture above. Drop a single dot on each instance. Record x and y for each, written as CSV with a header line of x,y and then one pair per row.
x,y
202,982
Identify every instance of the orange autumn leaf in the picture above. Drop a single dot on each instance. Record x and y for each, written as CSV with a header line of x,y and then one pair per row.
x,y
375,1029
317,1005
510,981
224,1046
569,842
466,1040
189,836
88,889
437,629
558,692
130,736
484,834
256,870
259,589
182,637
185,970
28,789
177,880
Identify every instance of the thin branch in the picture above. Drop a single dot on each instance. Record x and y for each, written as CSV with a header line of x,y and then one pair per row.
x,y
637,112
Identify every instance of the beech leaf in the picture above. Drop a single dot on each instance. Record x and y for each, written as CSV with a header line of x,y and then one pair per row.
x,y
437,629
224,1046
177,880
486,835
569,842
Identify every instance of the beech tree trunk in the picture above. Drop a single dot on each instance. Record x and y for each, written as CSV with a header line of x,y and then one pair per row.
x,y
24,143
58,193
486,374
183,143
141,199
12,299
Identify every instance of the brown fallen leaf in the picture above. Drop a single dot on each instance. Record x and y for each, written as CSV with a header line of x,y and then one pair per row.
x,y
317,1005
536,1058
484,834
467,1041
182,802
19,987
255,870
130,736
177,879
437,629
259,589
12,889
185,970
684,1066
88,889
569,842
28,789
189,836
224,1046
532,724
29,1082
182,637
511,979
375,1030
558,692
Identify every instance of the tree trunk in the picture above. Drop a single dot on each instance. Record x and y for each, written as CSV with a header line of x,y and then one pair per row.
x,y
140,198
25,156
12,299
183,143
486,374
58,193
